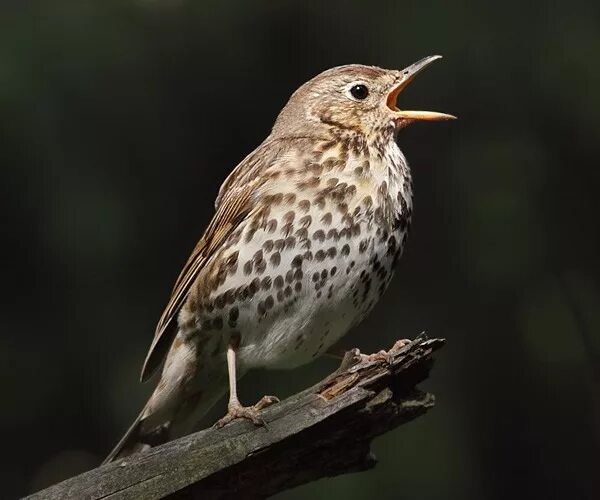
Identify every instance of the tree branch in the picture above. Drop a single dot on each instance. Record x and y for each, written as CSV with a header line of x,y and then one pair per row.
x,y
323,431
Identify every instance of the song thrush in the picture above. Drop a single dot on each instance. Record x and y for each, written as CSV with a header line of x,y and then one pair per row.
x,y
303,243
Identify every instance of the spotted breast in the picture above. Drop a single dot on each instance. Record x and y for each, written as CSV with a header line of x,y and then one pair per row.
x,y
313,258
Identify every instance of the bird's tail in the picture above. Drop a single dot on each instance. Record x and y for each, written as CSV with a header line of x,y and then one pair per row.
x,y
131,442
178,402
156,425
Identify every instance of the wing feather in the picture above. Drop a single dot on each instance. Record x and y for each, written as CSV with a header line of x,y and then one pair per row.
x,y
235,201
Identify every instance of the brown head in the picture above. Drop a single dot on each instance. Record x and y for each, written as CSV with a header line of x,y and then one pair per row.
x,y
355,97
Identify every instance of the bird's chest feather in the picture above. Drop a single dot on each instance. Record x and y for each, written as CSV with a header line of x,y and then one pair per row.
x,y
353,261
314,260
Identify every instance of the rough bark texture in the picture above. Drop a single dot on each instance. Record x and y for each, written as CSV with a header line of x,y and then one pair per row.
x,y
323,431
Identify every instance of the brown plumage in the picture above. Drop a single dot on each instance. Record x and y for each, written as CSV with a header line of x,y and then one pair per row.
x,y
303,242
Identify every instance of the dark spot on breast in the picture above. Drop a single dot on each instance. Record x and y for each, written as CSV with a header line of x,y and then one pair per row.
x,y
269,302
327,219
266,283
333,234
249,235
304,205
288,218
260,266
279,244
220,301
271,226
230,296
268,245
278,282
305,221
302,233
275,259
254,286
319,235
391,245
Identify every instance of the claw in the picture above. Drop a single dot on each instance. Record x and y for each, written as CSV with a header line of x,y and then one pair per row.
x,y
236,411
400,344
387,356
266,401
378,356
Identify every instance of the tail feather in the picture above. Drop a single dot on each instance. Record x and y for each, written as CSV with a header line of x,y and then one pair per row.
x,y
174,408
150,429
130,443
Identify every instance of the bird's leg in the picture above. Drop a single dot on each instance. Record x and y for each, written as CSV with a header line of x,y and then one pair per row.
x,y
235,409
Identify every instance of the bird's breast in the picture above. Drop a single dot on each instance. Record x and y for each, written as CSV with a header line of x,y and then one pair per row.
x,y
312,260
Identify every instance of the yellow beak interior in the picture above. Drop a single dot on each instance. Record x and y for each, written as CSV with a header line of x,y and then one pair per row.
x,y
408,75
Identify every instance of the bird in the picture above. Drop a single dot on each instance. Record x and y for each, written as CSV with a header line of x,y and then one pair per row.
x,y
304,240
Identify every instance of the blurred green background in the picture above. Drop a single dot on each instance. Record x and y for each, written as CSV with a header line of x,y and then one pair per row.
x,y
120,119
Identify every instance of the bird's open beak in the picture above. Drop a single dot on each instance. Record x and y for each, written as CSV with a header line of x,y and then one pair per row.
x,y
406,77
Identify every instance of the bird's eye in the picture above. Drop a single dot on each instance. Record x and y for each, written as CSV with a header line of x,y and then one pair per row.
x,y
359,91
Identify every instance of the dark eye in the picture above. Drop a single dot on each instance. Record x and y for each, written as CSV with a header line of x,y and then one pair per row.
x,y
359,92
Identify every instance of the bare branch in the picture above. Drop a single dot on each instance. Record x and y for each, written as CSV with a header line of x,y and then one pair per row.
x,y
323,431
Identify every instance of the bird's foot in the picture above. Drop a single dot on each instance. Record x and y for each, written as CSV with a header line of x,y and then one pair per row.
x,y
235,411
387,356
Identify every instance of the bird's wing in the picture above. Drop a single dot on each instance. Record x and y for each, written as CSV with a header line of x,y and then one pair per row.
x,y
234,203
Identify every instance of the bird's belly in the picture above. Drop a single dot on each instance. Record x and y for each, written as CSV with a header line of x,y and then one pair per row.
x,y
319,301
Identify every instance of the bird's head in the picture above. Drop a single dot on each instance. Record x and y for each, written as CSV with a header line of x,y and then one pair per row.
x,y
355,97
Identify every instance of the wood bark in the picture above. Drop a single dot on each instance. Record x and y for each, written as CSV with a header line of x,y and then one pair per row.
x,y
323,431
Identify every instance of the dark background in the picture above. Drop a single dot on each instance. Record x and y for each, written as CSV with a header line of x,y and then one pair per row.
x,y
120,119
